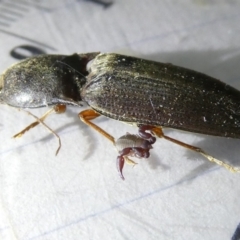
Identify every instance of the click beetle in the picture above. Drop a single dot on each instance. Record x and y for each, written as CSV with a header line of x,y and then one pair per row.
x,y
150,95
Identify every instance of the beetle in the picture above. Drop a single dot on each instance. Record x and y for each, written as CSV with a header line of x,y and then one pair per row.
x,y
150,95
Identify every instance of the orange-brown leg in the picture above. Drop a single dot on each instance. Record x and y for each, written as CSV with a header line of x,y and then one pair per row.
x,y
158,132
60,108
87,115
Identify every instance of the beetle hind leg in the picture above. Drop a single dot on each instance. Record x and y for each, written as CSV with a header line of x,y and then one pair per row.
x,y
221,163
158,132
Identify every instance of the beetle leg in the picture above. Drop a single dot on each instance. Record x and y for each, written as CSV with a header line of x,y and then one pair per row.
x,y
58,109
32,125
87,115
158,132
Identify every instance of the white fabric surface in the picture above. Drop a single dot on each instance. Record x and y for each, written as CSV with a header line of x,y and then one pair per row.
x,y
176,194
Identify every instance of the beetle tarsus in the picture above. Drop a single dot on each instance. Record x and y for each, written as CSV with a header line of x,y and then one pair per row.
x,y
220,163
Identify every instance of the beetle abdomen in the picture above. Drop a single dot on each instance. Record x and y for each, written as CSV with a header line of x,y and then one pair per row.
x,y
144,92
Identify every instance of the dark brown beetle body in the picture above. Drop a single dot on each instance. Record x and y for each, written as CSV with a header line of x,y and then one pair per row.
x,y
144,92
148,94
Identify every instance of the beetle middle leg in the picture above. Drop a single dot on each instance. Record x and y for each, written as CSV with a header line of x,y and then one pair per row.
x,y
59,108
158,132
87,115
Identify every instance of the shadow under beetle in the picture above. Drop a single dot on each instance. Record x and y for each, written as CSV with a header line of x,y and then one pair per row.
x,y
147,94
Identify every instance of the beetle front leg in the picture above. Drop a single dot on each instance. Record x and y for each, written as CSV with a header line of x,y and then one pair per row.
x,y
59,108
